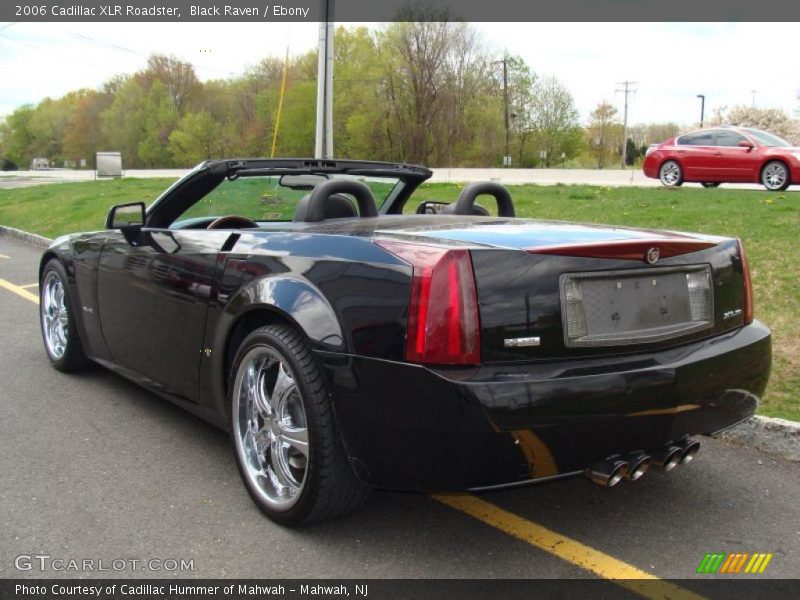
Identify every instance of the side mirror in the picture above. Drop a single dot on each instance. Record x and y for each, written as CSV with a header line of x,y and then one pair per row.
x,y
431,207
746,144
126,216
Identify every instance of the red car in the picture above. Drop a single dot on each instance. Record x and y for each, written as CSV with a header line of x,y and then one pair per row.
x,y
725,155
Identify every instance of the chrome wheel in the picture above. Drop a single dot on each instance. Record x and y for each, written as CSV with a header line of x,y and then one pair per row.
x,y
55,319
671,173
270,428
774,176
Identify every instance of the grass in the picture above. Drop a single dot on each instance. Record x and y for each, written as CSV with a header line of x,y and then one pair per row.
x,y
768,223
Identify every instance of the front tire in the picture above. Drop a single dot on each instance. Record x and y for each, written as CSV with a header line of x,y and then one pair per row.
x,y
671,174
57,320
287,447
775,176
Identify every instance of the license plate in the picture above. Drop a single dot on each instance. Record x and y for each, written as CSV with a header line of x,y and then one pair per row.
x,y
609,308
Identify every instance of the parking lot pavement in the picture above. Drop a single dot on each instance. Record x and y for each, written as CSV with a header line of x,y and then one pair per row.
x,y
94,467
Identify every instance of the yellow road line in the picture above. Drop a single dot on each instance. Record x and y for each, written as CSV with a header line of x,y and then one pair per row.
x,y
4,256
19,291
29,285
599,563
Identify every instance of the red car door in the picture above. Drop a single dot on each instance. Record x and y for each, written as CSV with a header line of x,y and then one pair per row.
x,y
696,152
733,162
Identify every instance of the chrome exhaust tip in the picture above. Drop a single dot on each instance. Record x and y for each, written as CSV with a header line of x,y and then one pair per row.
x,y
667,457
608,473
689,449
638,464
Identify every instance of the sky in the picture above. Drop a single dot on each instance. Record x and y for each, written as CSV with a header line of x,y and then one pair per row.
x,y
670,62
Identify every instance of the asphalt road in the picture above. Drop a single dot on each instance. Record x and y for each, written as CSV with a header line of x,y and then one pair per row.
x,y
92,466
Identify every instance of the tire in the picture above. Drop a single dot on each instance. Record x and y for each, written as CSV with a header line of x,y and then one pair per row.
x,y
775,176
671,174
278,402
710,184
57,320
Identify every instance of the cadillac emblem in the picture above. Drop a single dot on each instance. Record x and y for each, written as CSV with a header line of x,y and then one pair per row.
x,y
652,255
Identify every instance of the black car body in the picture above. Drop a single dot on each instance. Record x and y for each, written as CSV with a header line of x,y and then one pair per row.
x,y
456,350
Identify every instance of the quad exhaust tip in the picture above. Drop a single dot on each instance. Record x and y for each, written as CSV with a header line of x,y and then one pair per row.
x,y
609,472
689,449
668,457
612,470
637,466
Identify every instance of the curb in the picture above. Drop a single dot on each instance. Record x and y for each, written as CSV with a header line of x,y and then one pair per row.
x,y
24,236
778,437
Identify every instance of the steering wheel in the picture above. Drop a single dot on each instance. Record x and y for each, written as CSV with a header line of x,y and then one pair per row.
x,y
315,210
466,200
232,222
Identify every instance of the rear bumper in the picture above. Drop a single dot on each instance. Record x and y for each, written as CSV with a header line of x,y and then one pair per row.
x,y
650,167
411,427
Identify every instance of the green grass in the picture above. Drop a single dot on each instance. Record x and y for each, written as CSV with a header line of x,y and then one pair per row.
x,y
768,223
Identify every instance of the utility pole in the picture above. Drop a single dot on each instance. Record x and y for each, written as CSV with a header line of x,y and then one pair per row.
x,y
506,156
702,108
506,114
323,147
627,90
754,97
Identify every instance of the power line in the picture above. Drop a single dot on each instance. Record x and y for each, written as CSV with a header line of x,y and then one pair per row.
x,y
627,90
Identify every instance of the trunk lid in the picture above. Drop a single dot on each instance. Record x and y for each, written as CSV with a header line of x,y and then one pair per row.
x,y
549,290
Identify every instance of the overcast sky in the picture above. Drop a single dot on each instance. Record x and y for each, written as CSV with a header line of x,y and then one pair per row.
x,y
670,62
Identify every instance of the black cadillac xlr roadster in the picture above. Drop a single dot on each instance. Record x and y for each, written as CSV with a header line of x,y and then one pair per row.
x,y
351,334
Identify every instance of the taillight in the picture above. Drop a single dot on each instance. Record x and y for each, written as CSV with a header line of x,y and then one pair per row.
x,y
443,325
747,309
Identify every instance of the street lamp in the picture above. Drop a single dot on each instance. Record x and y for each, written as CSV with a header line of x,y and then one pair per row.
x,y
702,108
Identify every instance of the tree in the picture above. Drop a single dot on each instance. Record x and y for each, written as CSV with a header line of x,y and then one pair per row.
x,y
604,133
555,121
83,137
774,120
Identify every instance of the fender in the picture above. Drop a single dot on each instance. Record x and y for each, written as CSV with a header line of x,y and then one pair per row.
x,y
78,253
288,298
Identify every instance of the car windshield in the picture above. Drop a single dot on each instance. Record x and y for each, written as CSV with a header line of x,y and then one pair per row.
x,y
767,139
263,198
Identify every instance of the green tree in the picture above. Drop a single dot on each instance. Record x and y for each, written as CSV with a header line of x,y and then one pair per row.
x,y
555,122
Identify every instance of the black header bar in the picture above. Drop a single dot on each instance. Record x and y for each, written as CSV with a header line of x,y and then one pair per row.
x,y
345,11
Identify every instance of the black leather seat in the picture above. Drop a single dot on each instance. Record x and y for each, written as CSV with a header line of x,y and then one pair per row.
x,y
337,206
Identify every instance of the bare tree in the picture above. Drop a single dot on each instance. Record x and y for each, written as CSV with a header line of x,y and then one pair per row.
x,y
603,133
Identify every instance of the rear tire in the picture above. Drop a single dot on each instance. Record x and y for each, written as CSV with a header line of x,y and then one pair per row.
x,y
671,174
710,184
57,319
775,176
286,443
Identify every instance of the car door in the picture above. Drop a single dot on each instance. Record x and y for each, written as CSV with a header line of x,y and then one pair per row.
x,y
153,299
734,163
696,153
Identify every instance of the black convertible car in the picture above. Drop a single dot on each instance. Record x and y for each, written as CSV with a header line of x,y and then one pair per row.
x,y
351,334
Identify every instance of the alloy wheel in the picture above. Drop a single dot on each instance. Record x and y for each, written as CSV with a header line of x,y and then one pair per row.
x,y
774,176
55,319
270,428
670,173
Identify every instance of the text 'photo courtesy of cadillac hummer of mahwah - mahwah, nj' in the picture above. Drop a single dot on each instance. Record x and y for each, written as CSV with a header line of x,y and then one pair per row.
x,y
351,334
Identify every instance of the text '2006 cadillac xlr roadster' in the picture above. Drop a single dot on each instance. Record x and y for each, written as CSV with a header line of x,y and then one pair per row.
x,y
351,334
